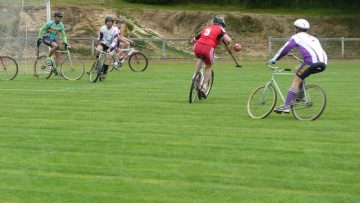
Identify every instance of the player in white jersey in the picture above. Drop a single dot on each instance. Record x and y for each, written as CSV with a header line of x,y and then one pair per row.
x,y
108,38
314,57
122,41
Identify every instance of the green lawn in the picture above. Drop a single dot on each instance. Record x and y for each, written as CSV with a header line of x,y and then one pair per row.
x,y
135,138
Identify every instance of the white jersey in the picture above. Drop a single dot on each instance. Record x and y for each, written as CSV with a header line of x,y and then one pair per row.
x,y
109,37
308,46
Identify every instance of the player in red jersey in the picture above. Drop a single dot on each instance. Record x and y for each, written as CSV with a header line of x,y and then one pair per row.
x,y
205,44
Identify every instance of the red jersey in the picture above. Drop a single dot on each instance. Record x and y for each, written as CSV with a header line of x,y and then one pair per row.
x,y
211,35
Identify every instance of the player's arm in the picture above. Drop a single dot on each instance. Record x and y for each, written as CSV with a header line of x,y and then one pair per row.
x,y
193,40
227,39
43,29
283,51
114,42
63,36
100,37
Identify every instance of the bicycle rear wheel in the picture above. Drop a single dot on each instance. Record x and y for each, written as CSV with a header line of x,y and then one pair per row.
x,y
194,87
311,106
72,69
95,71
262,102
8,68
138,62
41,69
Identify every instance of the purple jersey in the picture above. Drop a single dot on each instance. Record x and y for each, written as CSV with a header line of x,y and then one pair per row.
x,y
308,46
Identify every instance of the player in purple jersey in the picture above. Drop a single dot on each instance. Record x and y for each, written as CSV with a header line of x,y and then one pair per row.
x,y
314,60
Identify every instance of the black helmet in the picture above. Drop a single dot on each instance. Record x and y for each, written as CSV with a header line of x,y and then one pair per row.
x,y
219,21
109,18
58,14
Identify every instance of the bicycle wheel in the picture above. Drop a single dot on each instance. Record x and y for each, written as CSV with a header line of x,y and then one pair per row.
x,y
95,71
8,68
138,62
210,84
112,67
72,69
41,69
194,87
262,101
311,106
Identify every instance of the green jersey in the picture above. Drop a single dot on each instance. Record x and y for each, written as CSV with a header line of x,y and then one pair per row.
x,y
52,30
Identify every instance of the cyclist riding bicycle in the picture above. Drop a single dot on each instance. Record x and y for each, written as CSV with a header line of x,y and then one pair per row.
x,y
48,34
121,42
205,44
108,38
314,60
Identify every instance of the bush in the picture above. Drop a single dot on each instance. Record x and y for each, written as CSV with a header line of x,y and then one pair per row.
x,y
245,25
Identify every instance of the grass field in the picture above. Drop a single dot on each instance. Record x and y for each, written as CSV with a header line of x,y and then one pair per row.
x,y
135,138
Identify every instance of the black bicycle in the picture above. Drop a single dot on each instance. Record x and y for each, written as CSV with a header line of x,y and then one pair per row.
x,y
8,68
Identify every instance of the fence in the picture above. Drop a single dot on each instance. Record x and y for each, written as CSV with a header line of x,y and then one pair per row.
x,y
334,47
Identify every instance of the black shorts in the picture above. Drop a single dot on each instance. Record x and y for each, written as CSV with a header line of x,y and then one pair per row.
x,y
46,40
105,48
307,69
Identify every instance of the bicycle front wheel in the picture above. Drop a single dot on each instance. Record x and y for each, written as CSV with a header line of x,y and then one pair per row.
x,y
72,69
8,68
95,71
41,69
311,106
262,102
194,87
138,62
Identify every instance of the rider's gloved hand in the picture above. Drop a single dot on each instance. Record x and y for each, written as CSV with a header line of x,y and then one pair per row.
x,y
38,42
272,61
67,46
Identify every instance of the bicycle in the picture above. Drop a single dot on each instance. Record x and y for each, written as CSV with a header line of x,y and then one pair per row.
x,y
138,62
97,68
197,82
308,105
8,68
70,68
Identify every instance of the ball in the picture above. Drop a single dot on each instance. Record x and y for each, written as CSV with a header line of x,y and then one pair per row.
x,y
237,47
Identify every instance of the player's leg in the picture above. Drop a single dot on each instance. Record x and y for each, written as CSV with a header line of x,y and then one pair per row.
x,y
301,74
57,55
107,61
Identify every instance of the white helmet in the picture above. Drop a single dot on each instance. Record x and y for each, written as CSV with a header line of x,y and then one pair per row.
x,y
302,24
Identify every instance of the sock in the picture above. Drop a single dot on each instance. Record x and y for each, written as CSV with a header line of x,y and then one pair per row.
x,y
290,96
106,67
301,88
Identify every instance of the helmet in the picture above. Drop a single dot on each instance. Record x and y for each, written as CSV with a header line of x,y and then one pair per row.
x,y
219,21
58,14
119,21
109,18
302,24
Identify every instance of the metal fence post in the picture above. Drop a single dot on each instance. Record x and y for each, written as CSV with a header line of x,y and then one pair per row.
x,y
164,48
92,46
270,45
342,47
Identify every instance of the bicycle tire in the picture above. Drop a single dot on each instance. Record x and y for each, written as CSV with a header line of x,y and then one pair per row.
x,y
8,68
195,82
312,109
210,84
72,69
112,64
262,102
95,72
41,70
138,62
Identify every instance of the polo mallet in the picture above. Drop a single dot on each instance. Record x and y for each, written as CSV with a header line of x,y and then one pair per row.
x,y
237,64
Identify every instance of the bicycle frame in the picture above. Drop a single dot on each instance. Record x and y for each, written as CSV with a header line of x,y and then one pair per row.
x,y
280,71
129,51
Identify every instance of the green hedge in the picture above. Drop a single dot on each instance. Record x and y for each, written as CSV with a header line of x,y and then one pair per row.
x,y
348,4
